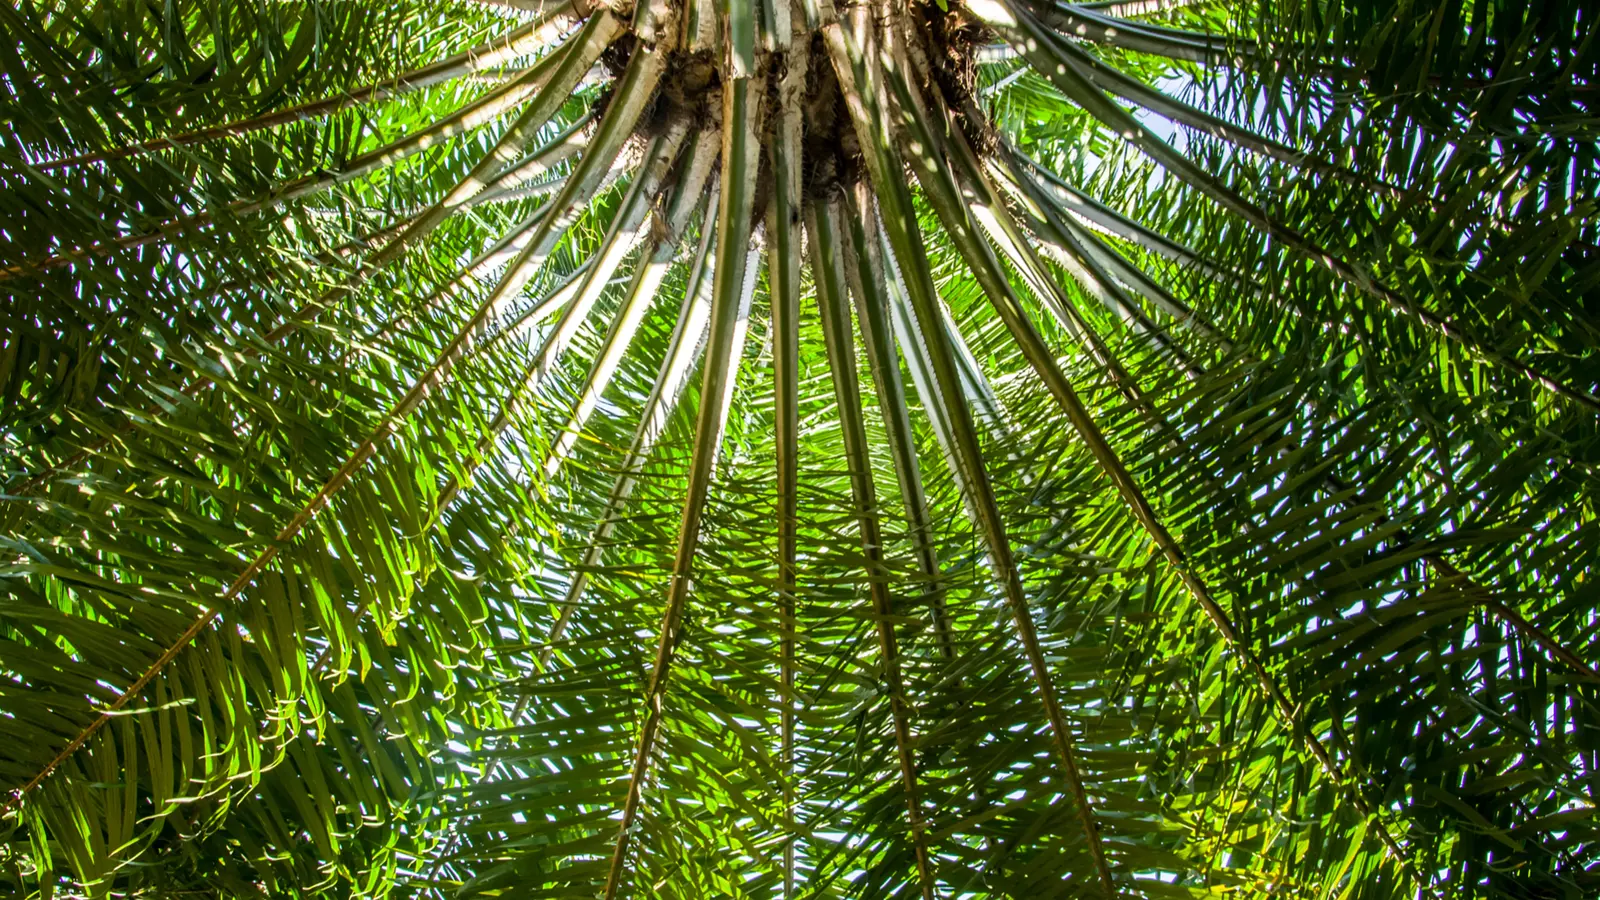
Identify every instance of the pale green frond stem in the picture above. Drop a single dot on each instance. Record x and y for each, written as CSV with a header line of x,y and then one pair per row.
x,y
985,204
647,278
508,324
854,63
701,24
520,180
1071,249
634,92
777,27
579,7
484,59
908,332
815,12
783,280
627,229
872,312
467,118
995,216
907,329
505,249
1107,276
1064,234
947,202
595,170
742,20
827,260
1103,271
1093,214
1120,20
503,186
683,351
980,393
731,286
1113,29
976,385
585,48
998,53
1050,56
1128,9
502,251
1110,78
562,73
1014,76
1070,240
532,191
741,321
492,76
1084,209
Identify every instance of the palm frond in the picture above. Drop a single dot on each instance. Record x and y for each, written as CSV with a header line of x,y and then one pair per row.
x,y
1138,449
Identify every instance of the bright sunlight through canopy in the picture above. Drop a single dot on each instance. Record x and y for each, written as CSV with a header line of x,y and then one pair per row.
x,y
799,449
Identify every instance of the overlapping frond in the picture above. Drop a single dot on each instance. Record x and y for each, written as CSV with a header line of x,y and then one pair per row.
x,y
753,448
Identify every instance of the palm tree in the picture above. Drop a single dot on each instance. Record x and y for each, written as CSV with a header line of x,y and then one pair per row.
x,y
1138,449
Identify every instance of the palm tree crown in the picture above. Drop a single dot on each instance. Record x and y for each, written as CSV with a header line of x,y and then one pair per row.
x,y
799,448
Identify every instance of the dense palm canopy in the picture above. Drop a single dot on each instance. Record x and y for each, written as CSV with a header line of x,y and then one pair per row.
x,y
737,448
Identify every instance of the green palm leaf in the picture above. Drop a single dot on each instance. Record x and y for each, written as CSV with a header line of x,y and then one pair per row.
x,y
798,448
